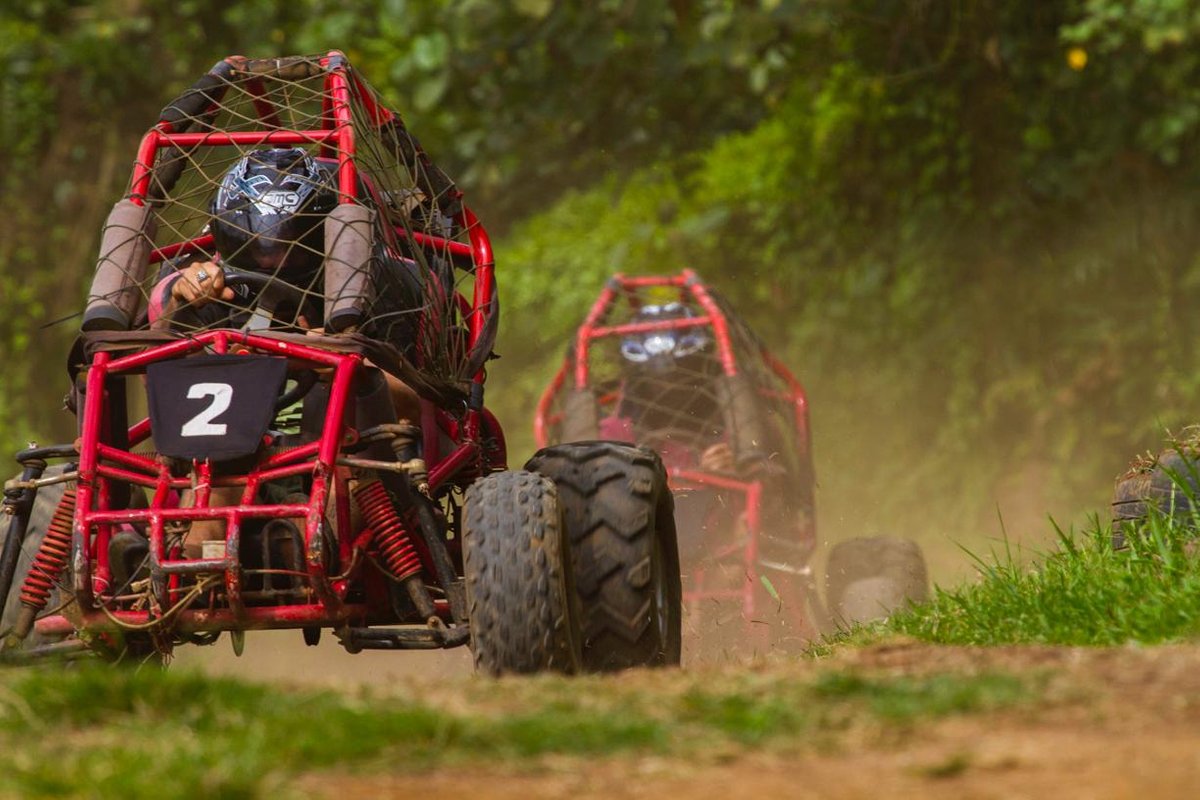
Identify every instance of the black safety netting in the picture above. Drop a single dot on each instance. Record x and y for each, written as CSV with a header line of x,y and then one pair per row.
x,y
382,255
664,385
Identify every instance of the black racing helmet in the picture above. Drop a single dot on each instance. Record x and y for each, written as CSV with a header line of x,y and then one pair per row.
x,y
269,213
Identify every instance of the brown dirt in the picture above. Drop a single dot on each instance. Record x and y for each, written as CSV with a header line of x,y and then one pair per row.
x,y
1116,723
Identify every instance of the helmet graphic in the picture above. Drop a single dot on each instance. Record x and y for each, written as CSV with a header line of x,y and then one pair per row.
x,y
269,212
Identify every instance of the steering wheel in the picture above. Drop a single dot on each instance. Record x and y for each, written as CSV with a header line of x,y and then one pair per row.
x,y
280,290
287,293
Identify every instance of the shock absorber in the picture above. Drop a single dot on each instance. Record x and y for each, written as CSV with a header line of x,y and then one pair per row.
x,y
398,553
47,566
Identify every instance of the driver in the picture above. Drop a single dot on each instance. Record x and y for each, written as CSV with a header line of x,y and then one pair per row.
x,y
667,398
671,399
268,217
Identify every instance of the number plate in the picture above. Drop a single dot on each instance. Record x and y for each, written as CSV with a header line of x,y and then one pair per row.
x,y
213,406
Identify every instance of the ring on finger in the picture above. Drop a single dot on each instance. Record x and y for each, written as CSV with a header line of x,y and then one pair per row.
x,y
201,275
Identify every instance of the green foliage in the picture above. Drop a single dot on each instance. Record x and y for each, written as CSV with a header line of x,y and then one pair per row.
x,y
1083,593
973,249
525,100
104,732
968,226
1145,49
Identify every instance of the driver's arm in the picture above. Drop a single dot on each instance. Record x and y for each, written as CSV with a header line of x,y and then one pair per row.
x,y
195,284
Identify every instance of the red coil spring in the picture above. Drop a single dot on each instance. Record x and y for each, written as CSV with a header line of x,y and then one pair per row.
x,y
52,556
391,537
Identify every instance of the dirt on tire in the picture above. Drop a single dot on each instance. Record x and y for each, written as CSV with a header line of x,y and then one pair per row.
x,y
1167,482
518,594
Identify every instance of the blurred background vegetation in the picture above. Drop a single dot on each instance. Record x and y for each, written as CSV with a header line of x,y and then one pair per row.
x,y
969,225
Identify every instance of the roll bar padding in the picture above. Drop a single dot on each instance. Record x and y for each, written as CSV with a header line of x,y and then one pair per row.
x,y
349,241
125,247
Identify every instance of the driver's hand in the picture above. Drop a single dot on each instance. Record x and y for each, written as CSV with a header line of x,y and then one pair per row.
x,y
201,283
717,458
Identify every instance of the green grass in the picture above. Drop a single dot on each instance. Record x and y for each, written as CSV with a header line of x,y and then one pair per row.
x,y
105,732
1082,593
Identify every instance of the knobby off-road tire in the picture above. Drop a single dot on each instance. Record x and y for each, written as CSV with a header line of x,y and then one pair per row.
x,y
620,522
867,578
1165,483
519,593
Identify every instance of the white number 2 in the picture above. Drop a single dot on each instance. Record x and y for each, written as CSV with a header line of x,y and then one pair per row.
x,y
201,424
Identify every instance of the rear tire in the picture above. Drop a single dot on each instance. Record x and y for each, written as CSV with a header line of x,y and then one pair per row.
x,y
519,594
868,578
620,520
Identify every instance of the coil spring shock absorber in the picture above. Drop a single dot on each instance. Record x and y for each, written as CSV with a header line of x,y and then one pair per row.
x,y
391,537
47,566
399,555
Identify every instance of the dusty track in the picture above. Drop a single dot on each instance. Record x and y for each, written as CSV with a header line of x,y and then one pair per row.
x,y
282,656
1119,723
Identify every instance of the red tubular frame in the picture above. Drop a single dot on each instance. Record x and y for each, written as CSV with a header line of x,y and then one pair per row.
x,y
593,328
93,513
101,462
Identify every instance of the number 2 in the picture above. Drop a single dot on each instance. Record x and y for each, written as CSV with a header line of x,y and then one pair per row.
x,y
201,424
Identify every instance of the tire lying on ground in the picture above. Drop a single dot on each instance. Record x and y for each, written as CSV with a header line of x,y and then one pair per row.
x,y
519,593
1167,481
620,522
868,578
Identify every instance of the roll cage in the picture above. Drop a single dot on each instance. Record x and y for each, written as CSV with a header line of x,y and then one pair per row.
x,y
460,439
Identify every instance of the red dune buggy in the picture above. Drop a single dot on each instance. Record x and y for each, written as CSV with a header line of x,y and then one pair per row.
x,y
664,362
301,300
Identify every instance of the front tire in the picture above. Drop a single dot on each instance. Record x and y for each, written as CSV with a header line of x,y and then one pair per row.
x,y
519,594
620,520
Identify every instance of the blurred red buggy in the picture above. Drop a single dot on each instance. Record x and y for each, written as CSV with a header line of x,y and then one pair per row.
x,y
664,362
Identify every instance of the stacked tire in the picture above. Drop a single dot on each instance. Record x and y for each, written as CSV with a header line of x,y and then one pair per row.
x,y
572,563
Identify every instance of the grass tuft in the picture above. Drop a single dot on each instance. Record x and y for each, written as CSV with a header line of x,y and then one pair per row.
x,y
905,699
1083,593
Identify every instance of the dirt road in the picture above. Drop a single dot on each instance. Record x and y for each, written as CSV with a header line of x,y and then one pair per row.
x,y
1114,723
